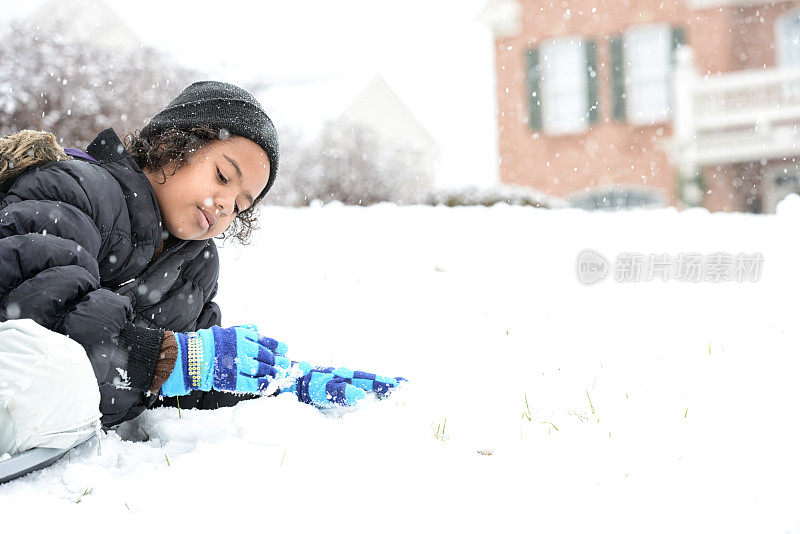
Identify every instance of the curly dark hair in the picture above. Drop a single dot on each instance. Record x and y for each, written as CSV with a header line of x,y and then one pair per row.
x,y
170,149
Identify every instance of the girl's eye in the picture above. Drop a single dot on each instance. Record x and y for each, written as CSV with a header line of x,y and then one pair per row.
x,y
223,180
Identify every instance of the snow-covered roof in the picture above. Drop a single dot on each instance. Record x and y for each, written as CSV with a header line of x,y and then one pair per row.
x,y
307,107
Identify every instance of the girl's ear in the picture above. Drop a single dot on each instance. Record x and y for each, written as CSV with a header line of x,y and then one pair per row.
x,y
27,149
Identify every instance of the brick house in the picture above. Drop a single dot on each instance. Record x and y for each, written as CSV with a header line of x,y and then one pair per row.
x,y
591,106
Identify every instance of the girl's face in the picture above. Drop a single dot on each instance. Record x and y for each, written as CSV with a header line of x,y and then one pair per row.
x,y
203,197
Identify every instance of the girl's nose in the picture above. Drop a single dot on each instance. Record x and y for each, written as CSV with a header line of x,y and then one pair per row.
x,y
225,204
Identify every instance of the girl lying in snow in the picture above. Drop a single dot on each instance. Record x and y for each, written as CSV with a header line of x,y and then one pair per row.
x,y
113,247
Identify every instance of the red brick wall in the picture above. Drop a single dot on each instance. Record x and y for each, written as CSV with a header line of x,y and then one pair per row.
x,y
616,153
725,188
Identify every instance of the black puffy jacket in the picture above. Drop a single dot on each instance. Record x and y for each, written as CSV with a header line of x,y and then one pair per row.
x,y
77,244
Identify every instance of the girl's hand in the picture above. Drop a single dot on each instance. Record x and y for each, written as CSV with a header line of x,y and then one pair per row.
x,y
226,359
326,387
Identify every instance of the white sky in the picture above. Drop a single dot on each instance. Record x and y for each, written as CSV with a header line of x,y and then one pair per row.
x,y
434,53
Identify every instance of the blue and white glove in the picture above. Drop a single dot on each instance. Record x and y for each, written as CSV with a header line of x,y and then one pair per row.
x,y
326,387
226,359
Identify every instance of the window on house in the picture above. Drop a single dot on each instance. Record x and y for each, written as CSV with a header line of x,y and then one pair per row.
x,y
564,87
648,72
618,198
787,38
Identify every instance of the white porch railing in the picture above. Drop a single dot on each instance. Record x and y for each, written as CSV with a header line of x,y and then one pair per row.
x,y
747,98
735,117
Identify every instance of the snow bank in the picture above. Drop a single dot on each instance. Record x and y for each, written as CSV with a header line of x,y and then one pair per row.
x,y
536,403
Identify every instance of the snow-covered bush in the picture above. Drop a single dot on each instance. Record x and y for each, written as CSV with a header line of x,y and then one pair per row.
x,y
501,194
75,89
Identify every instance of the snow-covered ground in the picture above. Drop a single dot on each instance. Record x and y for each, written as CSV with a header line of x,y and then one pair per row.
x,y
651,406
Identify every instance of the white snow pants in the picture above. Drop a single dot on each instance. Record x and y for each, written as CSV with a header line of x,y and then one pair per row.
x,y
48,392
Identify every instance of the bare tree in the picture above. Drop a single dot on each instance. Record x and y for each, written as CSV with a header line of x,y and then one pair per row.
x,y
352,165
76,90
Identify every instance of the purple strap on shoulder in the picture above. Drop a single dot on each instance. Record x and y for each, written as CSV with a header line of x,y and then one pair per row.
x,y
78,153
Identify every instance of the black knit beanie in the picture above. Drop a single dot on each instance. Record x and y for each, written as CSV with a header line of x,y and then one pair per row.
x,y
220,105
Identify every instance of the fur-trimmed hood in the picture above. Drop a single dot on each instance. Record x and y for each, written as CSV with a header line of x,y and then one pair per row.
x,y
27,149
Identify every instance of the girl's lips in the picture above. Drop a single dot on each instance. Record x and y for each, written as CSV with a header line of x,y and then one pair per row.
x,y
203,219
